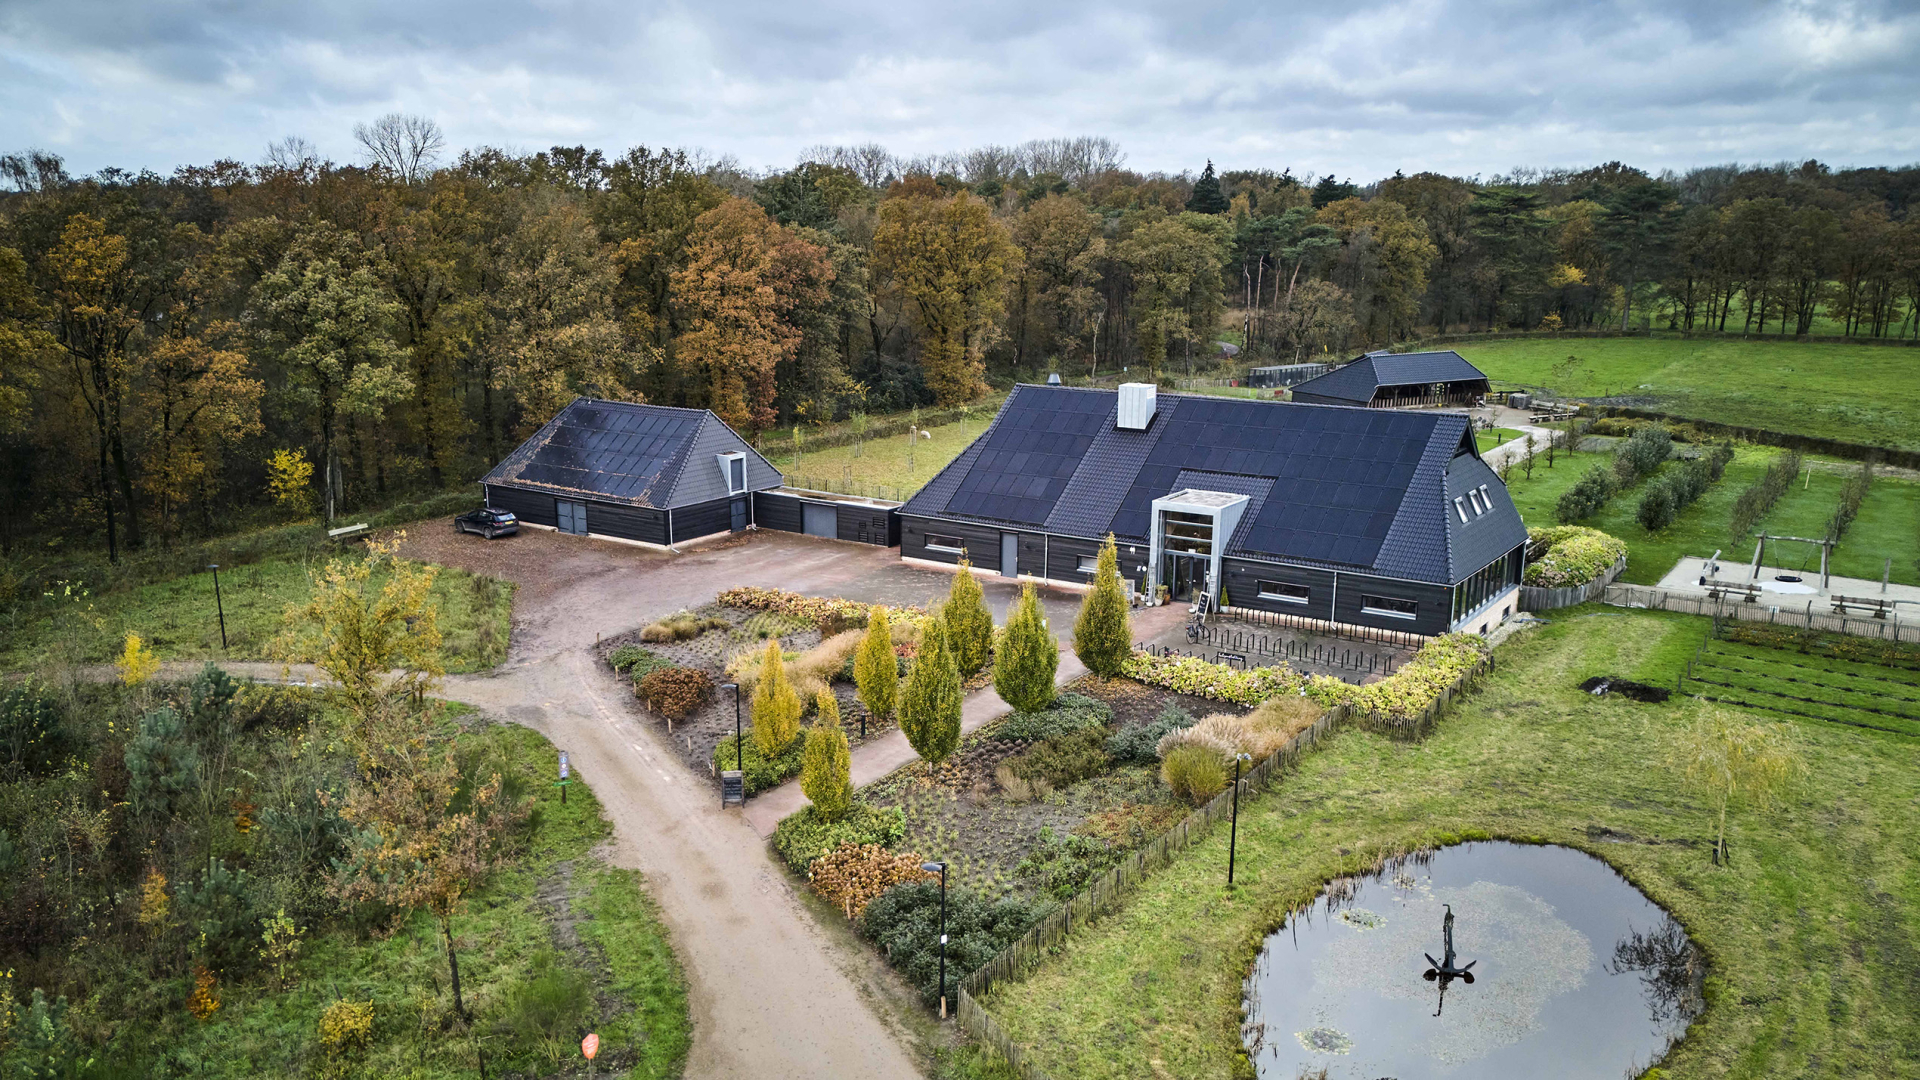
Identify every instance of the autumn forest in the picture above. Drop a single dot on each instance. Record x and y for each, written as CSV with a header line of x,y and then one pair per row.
x,y
299,334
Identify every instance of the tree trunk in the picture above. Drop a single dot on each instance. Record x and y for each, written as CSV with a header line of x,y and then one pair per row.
x,y
1626,304
125,477
106,501
453,969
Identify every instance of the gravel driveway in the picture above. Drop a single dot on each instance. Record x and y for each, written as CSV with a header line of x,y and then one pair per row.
x,y
770,994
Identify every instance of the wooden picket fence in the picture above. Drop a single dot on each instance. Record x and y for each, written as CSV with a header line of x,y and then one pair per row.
x,y
1106,892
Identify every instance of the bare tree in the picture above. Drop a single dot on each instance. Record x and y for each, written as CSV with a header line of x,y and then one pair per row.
x,y
407,146
293,154
33,170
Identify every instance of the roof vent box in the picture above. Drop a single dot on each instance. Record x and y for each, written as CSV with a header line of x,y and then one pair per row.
x,y
1136,406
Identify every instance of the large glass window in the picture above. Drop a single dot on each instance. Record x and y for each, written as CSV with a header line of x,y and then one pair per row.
x,y
937,542
1186,532
1391,606
1285,591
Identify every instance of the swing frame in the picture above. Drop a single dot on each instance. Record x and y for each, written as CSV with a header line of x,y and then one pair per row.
x,y
1826,553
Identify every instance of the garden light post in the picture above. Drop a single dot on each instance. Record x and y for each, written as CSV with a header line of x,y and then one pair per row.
x,y
1233,833
941,869
219,605
739,756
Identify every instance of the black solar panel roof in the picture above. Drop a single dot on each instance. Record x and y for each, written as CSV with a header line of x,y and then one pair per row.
x,y
1357,382
1334,485
612,450
1030,454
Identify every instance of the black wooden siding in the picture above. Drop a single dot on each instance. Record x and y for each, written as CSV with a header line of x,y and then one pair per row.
x,y
862,524
1436,604
528,506
702,519
1243,578
627,522
775,511
983,541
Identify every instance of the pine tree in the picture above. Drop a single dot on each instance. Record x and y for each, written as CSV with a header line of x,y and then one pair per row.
x,y
826,775
969,623
1103,632
930,708
1206,197
776,707
1024,669
875,670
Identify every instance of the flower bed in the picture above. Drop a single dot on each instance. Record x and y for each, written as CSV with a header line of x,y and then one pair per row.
x,y
820,610
1570,555
1191,675
1418,683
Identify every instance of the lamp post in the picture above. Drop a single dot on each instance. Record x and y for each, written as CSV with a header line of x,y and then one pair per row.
x,y
739,757
219,605
941,869
1233,833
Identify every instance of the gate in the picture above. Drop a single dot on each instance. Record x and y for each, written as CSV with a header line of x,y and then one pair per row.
x,y
819,520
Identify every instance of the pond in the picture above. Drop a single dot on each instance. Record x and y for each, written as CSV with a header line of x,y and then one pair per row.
x,y
1570,972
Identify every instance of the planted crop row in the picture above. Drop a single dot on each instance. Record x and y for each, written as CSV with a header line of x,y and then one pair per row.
x,y
1759,497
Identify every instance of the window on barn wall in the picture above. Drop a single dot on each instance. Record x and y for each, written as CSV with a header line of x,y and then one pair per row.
x,y
1390,606
1285,591
1087,564
953,544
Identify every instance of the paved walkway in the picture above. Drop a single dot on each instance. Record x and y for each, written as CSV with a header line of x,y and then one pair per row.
x,y
876,758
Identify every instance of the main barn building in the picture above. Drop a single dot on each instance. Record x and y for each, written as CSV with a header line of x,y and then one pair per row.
x,y
1359,516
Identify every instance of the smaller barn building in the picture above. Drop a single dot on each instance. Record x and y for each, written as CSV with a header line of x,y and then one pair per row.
x,y
645,473
1384,380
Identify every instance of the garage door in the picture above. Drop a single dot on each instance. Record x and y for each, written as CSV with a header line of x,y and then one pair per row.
x,y
819,520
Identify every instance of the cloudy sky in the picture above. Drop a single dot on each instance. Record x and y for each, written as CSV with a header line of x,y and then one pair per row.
x,y
1359,89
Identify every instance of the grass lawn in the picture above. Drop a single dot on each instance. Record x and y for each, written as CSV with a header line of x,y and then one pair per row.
x,y
1888,524
177,617
1492,437
1861,393
1811,934
886,468
623,950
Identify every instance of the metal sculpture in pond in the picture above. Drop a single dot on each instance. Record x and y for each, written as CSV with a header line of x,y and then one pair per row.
x,y
1445,970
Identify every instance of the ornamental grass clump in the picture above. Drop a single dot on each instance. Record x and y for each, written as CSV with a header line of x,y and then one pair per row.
x,y
776,707
969,623
1103,632
1027,660
1194,773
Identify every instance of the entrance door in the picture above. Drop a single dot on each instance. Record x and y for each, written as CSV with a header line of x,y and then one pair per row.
x,y
572,516
818,520
739,514
1009,554
1182,574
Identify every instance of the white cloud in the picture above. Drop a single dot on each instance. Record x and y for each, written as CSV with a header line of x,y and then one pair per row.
x,y
1362,91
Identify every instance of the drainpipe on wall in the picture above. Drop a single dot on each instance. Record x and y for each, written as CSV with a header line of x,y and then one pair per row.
x,y
670,546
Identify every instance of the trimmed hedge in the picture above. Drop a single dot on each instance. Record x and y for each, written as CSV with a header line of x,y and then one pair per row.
x,y
805,835
1569,555
1418,683
760,772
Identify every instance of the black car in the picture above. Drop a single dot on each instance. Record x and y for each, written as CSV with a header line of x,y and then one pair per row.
x,y
488,523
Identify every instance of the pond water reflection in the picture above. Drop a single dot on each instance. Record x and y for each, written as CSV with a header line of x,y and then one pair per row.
x,y
1574,973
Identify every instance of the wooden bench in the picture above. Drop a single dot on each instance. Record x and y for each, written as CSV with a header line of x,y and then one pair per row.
x,y
1717,588
1878,606
348,533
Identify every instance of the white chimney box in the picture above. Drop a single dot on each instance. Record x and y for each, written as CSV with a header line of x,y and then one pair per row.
x,y
1136,406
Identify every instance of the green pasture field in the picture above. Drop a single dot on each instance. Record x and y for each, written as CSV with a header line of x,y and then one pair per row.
x,y
1812,934
1809,686
265,1032
1860,393
881,468
1888,524
178,617
1492,437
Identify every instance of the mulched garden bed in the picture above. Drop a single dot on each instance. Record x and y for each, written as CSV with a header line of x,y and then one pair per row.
x,y
695,737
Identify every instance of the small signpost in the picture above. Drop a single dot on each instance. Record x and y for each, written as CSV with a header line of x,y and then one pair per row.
x,y
733,788
590,1046
562,785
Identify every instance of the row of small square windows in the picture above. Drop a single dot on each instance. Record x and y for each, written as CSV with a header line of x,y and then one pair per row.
x,y
1482,502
